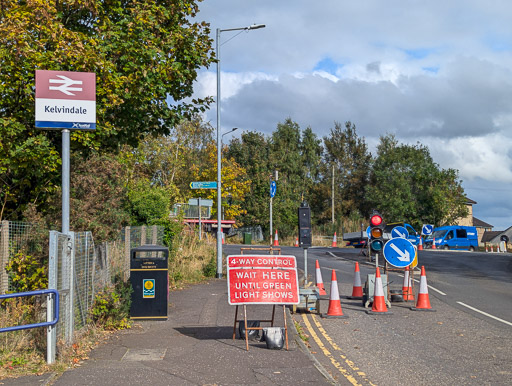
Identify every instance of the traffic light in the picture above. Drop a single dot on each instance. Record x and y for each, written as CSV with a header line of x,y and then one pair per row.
x,y
376,232
304,214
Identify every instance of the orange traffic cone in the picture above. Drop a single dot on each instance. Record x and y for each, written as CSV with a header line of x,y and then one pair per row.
x,y
492,251
334,241
222,237
423,303
276,240
319,280
407,286
420,245
486,250
379,302
296,241
334,310
357,289
498,248
434,243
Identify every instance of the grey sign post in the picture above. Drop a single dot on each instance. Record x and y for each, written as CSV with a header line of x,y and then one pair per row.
x,y
65,100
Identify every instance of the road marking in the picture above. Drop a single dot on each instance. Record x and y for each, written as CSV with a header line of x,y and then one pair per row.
x,y
327,353
350,363
485,313
432,288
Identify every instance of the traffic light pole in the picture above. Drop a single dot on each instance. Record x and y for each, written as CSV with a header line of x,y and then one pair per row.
x,y
305,267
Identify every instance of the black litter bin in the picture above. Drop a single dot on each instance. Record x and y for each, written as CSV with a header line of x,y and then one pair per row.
x,y
150,282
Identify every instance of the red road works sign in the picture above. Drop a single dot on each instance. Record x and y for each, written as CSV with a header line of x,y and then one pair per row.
x,y
262,279
65,100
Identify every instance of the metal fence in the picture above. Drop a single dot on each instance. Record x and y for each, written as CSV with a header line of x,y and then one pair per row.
x,y
18,237
77,268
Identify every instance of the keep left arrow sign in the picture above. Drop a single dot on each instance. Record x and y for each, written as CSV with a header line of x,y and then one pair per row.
x,y
399,252
401,255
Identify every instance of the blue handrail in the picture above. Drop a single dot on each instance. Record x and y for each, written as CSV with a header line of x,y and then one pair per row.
x,y
34,325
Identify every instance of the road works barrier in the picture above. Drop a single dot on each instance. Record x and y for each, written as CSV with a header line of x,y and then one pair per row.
x,y
379,303
262,279
334,310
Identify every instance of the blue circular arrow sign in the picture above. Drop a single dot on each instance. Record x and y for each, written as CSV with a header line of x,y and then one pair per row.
x,y
427,229
399,252
399,231
273,188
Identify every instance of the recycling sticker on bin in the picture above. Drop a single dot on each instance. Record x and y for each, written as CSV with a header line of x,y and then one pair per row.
x,y
148,286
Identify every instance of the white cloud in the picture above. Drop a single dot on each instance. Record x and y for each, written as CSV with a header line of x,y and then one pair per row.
x,y
440,75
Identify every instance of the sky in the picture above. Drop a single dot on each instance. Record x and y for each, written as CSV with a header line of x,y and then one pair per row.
x,y
437,73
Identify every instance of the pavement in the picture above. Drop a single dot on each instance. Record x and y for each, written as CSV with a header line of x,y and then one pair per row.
x,y
193,347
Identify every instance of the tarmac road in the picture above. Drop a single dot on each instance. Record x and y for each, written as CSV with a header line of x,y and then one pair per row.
x,y
454,345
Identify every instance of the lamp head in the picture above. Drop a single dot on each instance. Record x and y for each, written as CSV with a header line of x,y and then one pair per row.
x,y
256,26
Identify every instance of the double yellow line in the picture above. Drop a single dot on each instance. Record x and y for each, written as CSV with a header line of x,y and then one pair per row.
x,y
354,375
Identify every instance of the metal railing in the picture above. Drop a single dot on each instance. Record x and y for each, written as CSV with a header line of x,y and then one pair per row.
x,y
52,318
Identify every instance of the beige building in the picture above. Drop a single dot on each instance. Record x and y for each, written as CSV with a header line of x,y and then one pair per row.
x,y
470,220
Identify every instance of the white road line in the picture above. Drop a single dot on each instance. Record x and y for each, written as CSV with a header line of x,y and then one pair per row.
x,y
435,289
432,288
485,313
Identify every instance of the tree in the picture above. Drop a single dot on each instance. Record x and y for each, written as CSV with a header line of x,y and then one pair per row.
x,y
98,197
166,161
252,153
145,55
348,154
407,185
235,183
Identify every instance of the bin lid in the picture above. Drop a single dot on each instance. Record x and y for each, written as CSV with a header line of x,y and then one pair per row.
x,y
149,251
149,247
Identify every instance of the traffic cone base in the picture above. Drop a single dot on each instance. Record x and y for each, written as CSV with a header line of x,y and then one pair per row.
x,y
423,303
334,310
379,302
357,289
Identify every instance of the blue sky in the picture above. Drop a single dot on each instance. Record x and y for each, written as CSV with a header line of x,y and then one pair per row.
x,y
434,72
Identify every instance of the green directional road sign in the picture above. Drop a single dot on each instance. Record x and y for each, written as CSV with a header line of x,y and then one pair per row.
x,y
203,185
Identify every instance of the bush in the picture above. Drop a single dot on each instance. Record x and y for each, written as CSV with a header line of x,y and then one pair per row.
x,y
111,307
27,273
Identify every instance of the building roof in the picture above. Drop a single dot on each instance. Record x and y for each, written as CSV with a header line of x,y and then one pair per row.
x,y
469,201
489,235
481,224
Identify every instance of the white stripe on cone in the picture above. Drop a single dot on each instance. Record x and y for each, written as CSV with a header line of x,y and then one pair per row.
x,y
335,295
378,287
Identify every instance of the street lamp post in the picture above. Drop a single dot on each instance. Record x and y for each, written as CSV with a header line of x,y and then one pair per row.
x,y
219,144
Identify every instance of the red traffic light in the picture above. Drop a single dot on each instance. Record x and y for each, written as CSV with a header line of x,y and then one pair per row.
x,y
375,220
